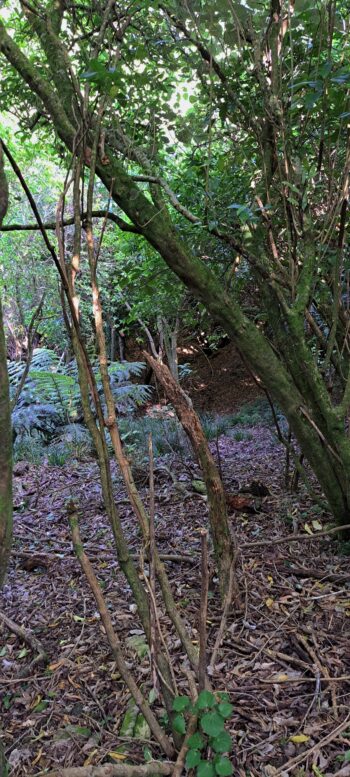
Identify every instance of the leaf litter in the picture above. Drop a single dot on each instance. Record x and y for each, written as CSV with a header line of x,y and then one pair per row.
x,y
285,656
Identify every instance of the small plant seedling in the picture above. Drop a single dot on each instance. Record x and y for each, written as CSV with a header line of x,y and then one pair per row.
x,y
209,745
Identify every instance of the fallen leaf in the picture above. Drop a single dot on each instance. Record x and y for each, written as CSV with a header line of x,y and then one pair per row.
x,y
117,756
298,739
308,529
37,757
88,760
55,666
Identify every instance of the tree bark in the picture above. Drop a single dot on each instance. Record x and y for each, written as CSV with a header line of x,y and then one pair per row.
x,y
5,420
220,530
5,439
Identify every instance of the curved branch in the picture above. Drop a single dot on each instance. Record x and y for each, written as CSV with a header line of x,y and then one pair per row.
x,y
123,225
38,85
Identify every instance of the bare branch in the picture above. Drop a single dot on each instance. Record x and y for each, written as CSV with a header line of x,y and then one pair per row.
x,y
51,225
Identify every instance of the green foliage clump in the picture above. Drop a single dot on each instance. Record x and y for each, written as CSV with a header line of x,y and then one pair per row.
x,y
212,710
29,447
58,455
76,439
214,426
240,436
168,436
258,412
50,397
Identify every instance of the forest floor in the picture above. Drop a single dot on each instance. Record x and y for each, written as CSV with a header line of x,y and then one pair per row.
x,y
219,383
285,656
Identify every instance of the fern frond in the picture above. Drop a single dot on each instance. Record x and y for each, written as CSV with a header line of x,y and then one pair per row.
x,y
123,371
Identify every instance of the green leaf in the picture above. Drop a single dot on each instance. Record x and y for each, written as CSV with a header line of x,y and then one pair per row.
x,y
311,98
222,695
193,758
325,69
223,766
205,769
196,741
138,643
212,724
152,696
179,724
141,730
205,699
41,706
82,731
201,488
222,743
147,754
129,720
225,709
180,703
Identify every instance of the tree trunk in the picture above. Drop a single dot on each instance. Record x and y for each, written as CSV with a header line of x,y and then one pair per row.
x,y
5,422
220,530
5,441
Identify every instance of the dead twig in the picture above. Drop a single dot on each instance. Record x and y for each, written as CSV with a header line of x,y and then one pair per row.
x,y
318,574
114,770
202,661
30,639
180,761
285,680
152,570
112,637
294,538
322,669
303,756
225,613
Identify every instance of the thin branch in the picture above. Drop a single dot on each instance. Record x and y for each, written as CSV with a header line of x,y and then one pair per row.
x,y
322,742
112,636
180,761
115,770
31,333
145,329
29,638
152,568
60,270
225,614
294,538
202,662
97,214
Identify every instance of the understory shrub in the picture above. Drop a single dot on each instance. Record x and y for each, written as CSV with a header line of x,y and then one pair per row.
x,y
29,447
210,744
168,436
49,403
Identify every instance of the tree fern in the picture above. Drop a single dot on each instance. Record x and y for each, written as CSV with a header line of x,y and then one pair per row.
x,y
51,396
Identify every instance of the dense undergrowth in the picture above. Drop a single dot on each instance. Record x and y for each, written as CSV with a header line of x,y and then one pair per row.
x,y
72,441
